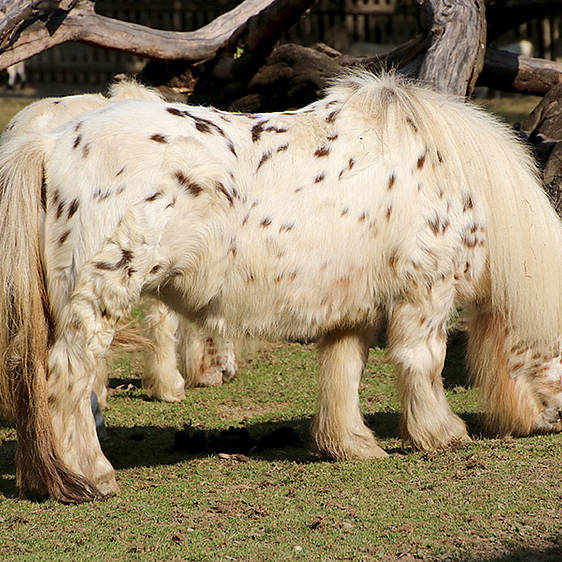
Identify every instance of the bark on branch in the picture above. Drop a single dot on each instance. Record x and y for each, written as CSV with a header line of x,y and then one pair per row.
x,y
458,42
252,21
516,73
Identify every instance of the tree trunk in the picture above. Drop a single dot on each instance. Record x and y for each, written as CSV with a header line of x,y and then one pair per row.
x,y
458,42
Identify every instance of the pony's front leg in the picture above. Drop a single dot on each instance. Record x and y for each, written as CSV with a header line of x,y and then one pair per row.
x,y
161,379
339,431
417,344
108,285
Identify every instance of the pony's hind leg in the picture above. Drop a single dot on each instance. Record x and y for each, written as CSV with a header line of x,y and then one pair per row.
x,y
417,344
108,285
339,431
161,379
521,384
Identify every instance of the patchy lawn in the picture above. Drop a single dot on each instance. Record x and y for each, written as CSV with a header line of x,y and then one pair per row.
x,y
493,498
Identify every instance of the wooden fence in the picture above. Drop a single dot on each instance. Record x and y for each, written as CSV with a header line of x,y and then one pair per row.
x,y
357,26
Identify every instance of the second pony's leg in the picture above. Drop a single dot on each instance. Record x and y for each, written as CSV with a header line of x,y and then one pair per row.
x,y
161,379
204,360
338,430
417,344
108,285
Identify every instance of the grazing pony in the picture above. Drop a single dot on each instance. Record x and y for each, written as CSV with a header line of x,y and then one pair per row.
x,y
382,200
204,361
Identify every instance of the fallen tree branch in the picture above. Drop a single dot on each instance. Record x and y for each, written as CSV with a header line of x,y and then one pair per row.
x,y
516,73
80,23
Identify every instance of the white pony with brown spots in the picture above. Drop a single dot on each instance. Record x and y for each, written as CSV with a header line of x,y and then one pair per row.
x,y
199,360
382,200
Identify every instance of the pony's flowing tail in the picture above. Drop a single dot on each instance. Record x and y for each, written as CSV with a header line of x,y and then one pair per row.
x,y
24,326
515,332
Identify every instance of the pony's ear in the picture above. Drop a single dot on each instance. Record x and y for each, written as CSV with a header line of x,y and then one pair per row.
x,y
130,89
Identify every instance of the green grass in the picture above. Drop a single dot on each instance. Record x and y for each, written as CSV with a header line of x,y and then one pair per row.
x,y
489,499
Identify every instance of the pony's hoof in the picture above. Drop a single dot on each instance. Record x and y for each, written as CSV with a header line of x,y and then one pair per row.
x,y
173,391
351,447
107,485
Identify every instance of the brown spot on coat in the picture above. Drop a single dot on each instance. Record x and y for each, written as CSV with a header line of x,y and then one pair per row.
x,y
362,216
191,187
391,181
344,212
283,147
469,242
257,130
421,161
393,259
85,150
320,177
120,171
265,222
286,227
73,207
412,124
388,212
232,149
468,203
332,116
60,210
176,112
126,257
158,138
63,238
202,127
434,224
154,196
264,158
77,141
222,189
332,137
276,130
322,152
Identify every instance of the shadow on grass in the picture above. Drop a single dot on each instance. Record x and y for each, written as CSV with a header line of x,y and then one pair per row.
x,y
146,446
553,554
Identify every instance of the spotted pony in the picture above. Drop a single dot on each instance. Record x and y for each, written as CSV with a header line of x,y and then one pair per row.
x,y
203,361
383,201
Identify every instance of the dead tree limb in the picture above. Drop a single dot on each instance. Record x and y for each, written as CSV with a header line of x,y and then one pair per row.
x,y
516,73
79,22
458,41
